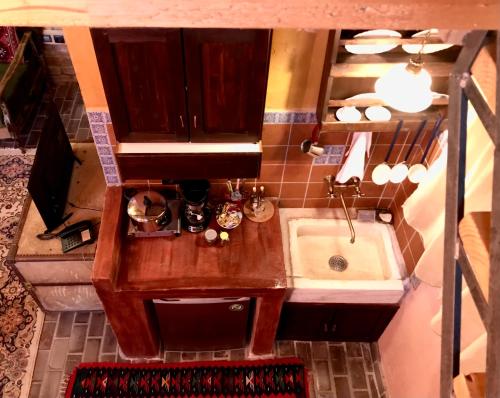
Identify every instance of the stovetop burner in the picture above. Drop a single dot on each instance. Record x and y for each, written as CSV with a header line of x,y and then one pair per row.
x,y
171,229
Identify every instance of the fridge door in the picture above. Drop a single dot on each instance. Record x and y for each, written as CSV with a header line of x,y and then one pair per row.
x,y
203,324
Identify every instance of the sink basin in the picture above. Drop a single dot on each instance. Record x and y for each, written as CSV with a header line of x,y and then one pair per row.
x,y
316,244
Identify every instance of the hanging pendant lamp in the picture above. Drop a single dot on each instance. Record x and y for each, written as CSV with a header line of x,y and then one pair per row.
x,y
406,87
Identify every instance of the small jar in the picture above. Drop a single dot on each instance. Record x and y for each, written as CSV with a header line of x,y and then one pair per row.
x,y
211,236
224,238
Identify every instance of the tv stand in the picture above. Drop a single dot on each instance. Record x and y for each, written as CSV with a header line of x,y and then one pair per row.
x,y
61,281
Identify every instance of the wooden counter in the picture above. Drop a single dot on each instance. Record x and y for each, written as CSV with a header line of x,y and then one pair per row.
x,y
129,272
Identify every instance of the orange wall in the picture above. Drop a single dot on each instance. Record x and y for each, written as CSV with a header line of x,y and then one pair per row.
x,y
82,54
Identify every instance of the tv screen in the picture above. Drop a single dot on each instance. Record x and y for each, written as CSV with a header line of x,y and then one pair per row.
x,y
51,172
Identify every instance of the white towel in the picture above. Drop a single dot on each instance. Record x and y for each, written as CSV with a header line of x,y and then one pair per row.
x,y
354,165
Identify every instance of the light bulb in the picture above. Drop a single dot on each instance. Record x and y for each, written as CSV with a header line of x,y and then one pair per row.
x,y
405,89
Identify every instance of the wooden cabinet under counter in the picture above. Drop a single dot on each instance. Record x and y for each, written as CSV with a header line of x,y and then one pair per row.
x,y
130,273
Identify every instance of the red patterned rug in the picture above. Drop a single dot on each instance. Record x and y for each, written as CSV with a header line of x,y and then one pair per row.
x,y
284,377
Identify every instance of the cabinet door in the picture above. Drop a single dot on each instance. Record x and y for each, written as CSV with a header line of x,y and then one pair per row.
x,y
334,322
203,324
226,72
143,77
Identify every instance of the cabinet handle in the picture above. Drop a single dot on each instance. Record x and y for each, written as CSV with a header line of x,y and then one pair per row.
x,y
182,121
325,327
194,121
236,307
334,327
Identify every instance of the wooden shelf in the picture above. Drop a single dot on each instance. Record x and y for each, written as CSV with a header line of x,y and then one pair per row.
x,y
390,40
366,125
348,69
363,103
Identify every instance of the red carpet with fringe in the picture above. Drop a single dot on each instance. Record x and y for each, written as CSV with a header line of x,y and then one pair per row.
x,y
280,378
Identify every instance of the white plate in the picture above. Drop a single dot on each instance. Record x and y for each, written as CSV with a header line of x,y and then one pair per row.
x,y
377,114
373,48
428,48
439,95
348,114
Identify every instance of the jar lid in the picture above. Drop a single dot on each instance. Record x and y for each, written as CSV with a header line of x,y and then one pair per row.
x,y
146,206
210,235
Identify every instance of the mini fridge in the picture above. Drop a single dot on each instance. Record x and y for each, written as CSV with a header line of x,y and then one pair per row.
x,y
203,324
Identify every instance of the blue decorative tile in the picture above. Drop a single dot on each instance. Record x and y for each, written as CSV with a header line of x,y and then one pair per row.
x,y
95,117
284,117
107,160
104,150
300,117
334,159
107,117
336,149
101,140
109,170
98,129
320,160
289,117
311,118
111,180
270,117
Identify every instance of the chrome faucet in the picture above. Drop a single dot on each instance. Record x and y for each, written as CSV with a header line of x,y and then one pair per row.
x,y
337,190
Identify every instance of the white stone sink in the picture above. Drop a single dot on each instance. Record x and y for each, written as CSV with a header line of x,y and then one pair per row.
x,y
375,270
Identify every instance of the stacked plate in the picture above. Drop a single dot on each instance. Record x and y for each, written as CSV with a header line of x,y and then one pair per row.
x,y
373,48
373,113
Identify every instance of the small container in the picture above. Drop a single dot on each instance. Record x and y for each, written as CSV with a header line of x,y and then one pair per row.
x,y
224,238
211,236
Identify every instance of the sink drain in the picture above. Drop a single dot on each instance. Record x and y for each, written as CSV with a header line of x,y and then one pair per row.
x,y
337,263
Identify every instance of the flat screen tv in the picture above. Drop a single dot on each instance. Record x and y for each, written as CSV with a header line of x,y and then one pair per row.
x,y
51,172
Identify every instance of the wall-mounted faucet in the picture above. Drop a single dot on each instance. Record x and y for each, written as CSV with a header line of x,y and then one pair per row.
x,y
339,190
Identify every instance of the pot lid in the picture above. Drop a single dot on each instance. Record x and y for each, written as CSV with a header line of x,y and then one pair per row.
x,y
146,206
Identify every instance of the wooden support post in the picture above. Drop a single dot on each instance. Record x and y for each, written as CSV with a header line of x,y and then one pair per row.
x,y
493,341
266,319
454,210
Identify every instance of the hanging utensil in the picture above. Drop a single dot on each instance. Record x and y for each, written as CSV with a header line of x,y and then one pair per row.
x,y
418,171
400,171
381,173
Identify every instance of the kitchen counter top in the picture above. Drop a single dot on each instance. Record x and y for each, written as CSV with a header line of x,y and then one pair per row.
x,y
252,259
129,272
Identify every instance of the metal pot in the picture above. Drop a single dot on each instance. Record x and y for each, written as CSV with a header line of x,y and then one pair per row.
x,y
149,211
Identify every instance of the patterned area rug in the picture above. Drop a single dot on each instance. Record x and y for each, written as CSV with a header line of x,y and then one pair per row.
x,y
275,378
18,310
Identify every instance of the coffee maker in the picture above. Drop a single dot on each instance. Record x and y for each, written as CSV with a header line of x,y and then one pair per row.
x,y
195,212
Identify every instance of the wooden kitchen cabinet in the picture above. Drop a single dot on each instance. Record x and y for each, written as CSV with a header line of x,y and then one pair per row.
x,y
142,73
199,85
334,322
226,73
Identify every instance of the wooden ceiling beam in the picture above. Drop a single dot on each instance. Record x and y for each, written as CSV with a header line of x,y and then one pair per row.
x,y
310,14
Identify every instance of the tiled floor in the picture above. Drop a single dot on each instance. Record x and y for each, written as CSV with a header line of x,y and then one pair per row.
x,y
68,101
336,370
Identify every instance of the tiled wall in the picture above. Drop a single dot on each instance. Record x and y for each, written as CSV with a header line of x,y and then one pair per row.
x,y
409,240
100,125
298,180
